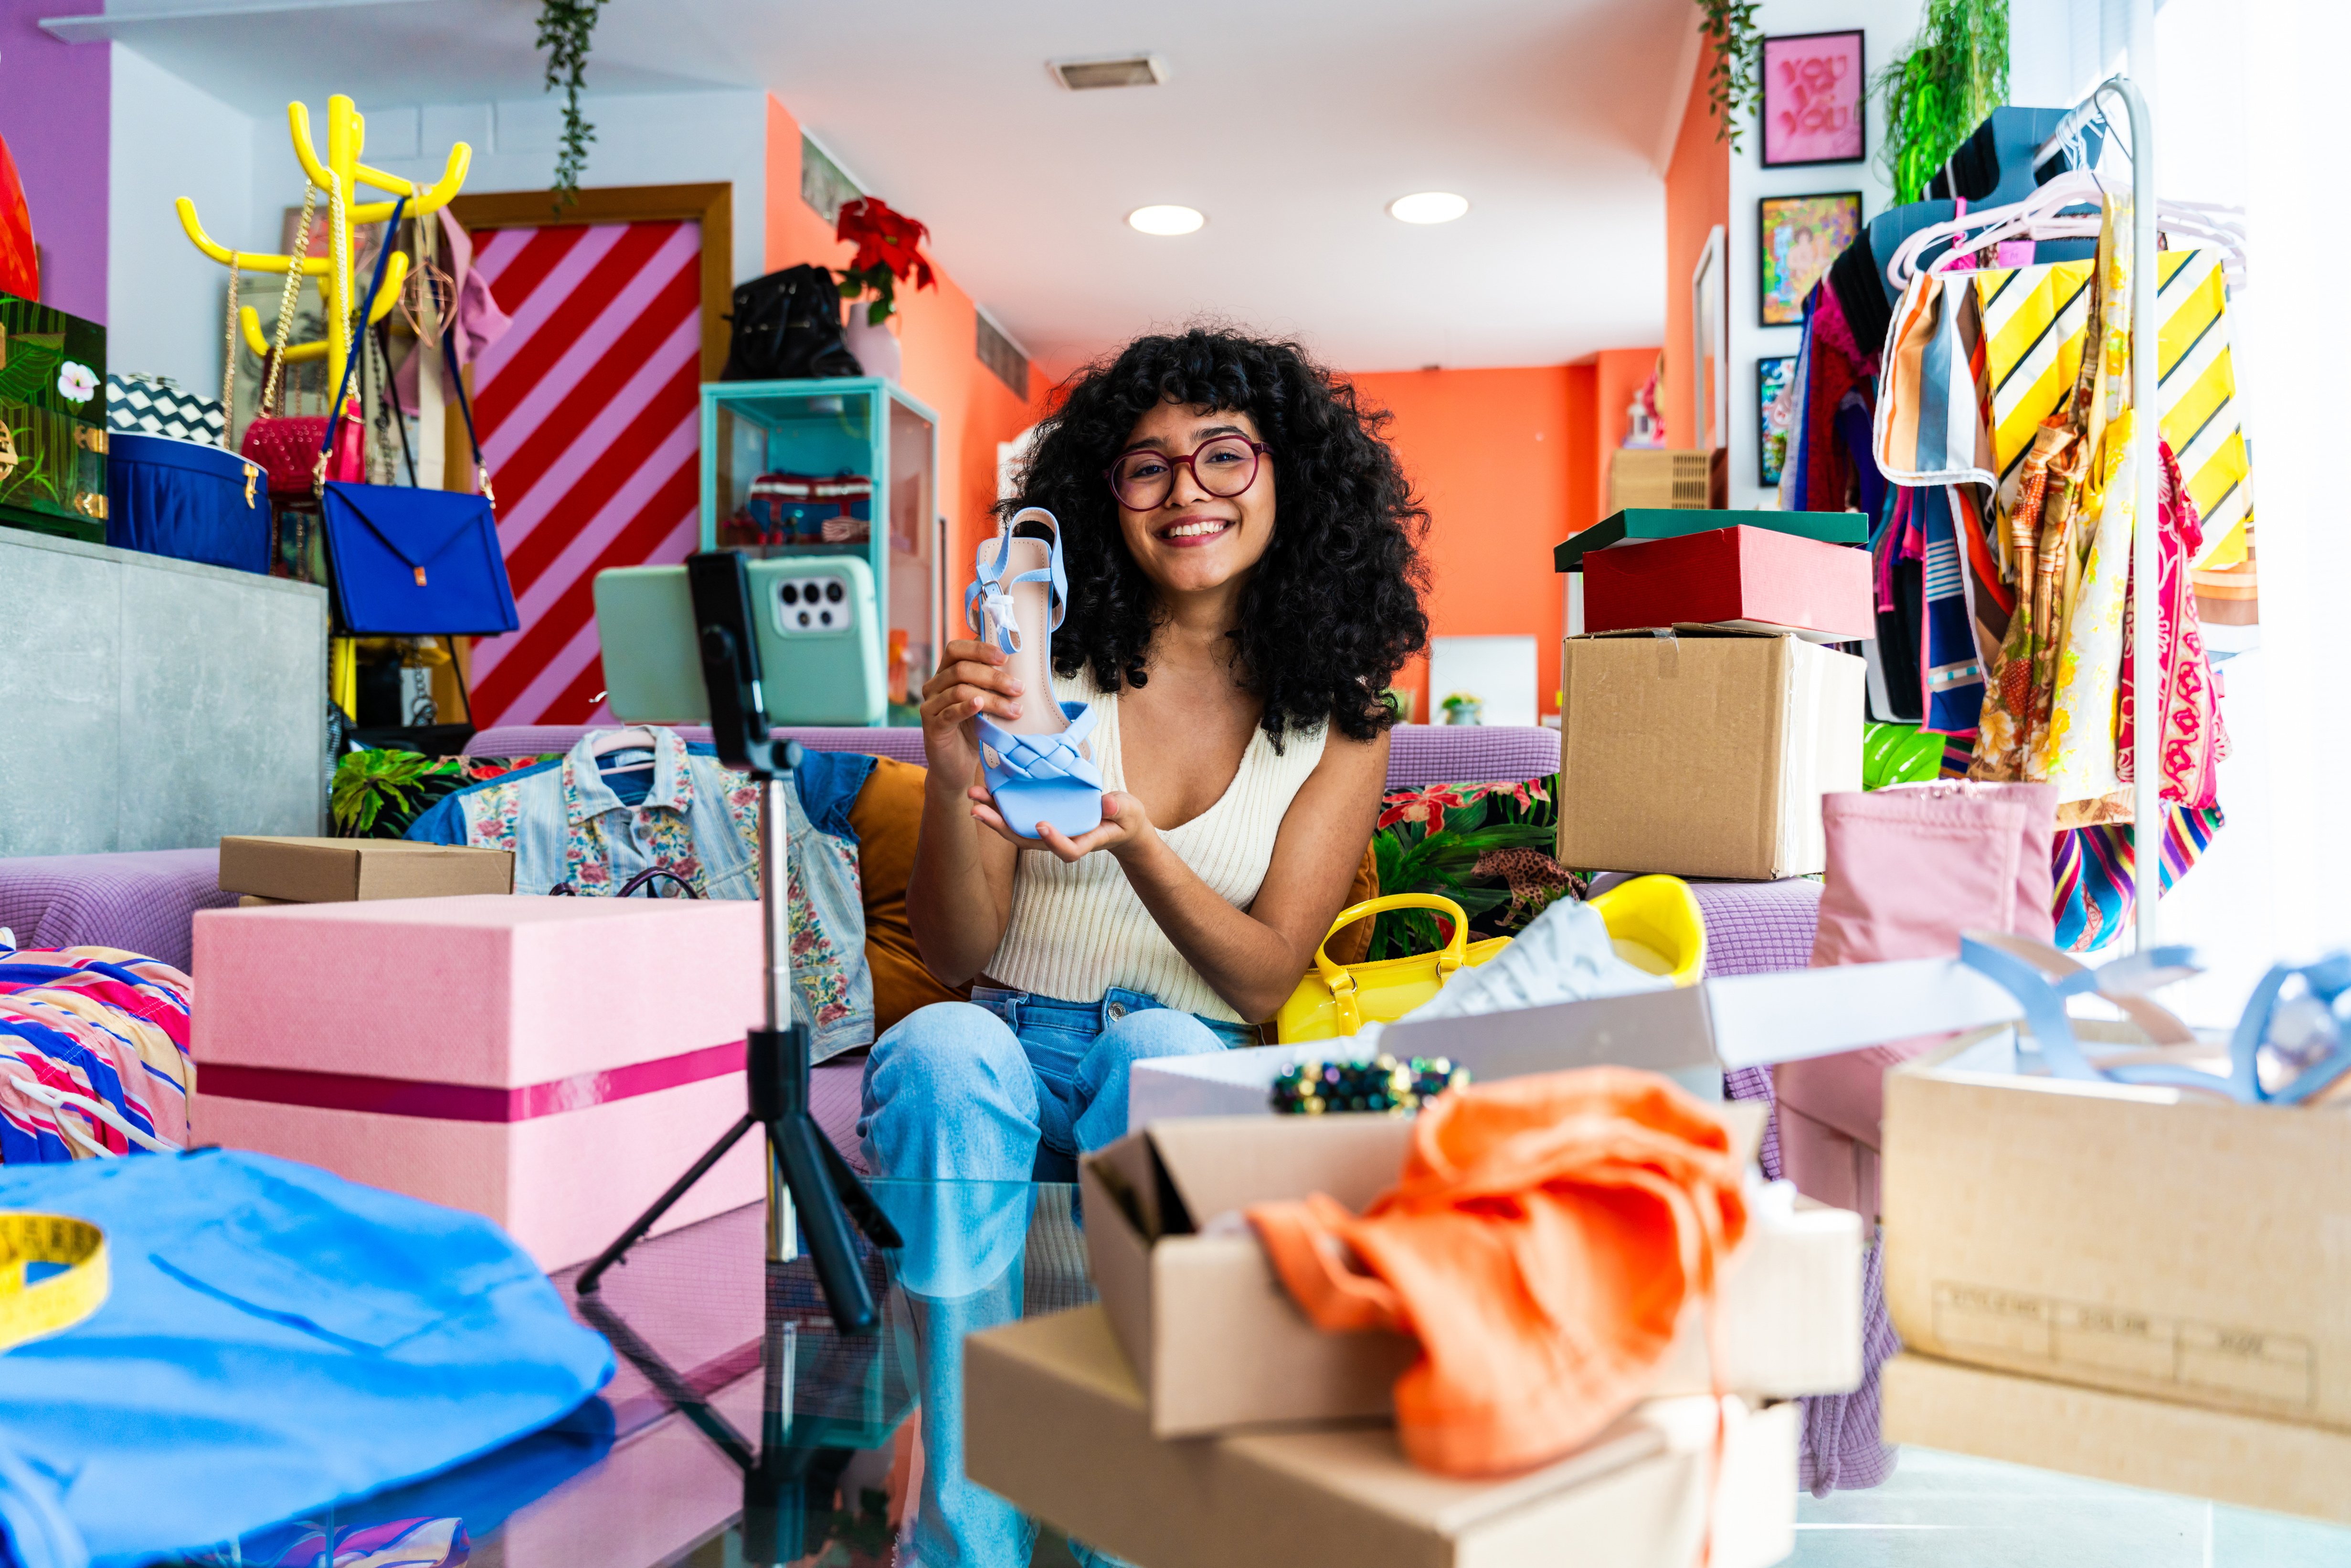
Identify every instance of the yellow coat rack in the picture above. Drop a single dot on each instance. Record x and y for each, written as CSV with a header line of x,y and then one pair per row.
x,y
339,176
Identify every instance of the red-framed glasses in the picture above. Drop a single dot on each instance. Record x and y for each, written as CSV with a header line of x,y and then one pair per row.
x,y
1144,478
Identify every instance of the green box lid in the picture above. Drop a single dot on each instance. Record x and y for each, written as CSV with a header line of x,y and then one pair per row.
x,y
1662,523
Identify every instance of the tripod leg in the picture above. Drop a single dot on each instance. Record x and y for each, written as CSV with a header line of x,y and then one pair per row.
x,y
646,1221
856,1198
823,1223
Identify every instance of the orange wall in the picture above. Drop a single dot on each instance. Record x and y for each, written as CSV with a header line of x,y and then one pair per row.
x,y
1600,393
1697,197
1488,453
938,338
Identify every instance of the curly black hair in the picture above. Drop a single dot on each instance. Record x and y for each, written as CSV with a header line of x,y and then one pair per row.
x,y
1334,607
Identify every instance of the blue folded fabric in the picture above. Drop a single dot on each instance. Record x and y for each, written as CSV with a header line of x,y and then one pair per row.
x,y
276,1340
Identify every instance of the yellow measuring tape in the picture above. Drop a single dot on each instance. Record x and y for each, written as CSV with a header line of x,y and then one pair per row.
x,y
64,1298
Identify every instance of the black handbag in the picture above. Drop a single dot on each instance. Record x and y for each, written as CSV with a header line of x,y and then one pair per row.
x,y
786,326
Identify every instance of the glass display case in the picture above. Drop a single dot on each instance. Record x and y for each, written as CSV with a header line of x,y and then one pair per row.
x,y
847,466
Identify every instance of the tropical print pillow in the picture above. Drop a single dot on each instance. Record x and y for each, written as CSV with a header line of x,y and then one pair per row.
x,y
1485,846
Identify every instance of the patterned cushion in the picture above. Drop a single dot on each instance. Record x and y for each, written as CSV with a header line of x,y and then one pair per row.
x,y
156,405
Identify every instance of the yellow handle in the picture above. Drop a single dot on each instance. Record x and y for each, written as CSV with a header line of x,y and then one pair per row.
x,y
1451,957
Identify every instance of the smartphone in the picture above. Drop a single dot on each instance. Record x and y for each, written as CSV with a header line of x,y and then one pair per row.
x,y
819,635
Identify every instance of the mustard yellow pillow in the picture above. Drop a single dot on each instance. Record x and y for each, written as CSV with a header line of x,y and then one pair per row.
x,y
887,816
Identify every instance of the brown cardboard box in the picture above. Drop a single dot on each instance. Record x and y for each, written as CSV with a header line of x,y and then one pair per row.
x,y
2217,1453
2148,1241
1218,1346
1703,753
1676,479
339,871
1054,1421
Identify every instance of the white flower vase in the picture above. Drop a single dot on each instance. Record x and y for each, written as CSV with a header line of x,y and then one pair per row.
x,y
876,347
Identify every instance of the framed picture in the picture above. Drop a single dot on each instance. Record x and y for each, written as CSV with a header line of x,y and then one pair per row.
x,y
1814,86
1772,378
1797,238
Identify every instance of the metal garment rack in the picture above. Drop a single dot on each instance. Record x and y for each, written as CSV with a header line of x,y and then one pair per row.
x,y
2146,526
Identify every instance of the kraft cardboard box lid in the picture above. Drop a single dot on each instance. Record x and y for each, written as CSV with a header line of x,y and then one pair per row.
x,y
1056,1423
2225,1455
336,871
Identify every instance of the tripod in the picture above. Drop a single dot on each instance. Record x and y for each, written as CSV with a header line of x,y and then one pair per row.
x,y
807,1176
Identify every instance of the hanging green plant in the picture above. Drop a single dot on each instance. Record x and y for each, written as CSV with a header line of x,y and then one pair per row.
x,y
1955,74
565,30
1734,83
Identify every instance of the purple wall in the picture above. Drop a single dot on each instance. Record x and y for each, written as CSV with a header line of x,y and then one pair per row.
x,y
55,104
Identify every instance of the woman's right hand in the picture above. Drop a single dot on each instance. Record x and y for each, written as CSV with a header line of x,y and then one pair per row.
x,y
972,679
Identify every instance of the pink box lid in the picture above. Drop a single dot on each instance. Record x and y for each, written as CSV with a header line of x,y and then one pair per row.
x,y
490,990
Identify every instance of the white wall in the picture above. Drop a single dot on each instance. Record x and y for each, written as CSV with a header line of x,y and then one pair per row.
x,y
164,297
1889,26
170,139
668,139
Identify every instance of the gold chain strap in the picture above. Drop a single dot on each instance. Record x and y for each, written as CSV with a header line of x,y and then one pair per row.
x,y
228,359
285,303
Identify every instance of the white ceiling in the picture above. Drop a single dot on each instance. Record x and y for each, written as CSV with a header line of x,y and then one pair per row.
x,y
1289,123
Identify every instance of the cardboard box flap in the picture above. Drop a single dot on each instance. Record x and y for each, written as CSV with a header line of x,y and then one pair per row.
x,y
1217,1164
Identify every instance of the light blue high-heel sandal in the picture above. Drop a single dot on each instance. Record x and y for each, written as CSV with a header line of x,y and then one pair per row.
x,y
1037,770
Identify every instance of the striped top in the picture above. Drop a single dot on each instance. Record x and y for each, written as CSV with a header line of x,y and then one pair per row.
x,y
1078,930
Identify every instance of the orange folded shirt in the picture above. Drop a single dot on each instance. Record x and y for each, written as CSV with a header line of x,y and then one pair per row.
x,y
1541,1246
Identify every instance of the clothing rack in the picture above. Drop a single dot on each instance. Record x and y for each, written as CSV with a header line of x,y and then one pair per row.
x,y
2147,527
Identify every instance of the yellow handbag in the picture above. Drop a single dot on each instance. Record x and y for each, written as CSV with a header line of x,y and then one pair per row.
x,y
1336,998
1653,923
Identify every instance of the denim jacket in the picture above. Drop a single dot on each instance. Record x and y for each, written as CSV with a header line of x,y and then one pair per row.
x,y
701,820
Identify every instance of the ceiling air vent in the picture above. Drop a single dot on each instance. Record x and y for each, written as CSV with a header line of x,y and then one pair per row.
x,y
1118,71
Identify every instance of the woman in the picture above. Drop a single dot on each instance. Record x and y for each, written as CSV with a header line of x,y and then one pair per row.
x,y
1244,582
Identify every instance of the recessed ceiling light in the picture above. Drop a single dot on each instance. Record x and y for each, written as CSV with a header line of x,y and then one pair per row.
x,y
1428,207
1165,220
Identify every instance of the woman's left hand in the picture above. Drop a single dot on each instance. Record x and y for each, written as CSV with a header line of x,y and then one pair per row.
x,y
1125,827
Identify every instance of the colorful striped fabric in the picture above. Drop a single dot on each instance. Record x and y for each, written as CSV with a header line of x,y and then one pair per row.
x,y
1931,425
588,413
2094,872
1948,662
99,1023
2034,322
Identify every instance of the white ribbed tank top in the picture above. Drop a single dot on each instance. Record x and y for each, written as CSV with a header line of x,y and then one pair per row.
x,y
1078,930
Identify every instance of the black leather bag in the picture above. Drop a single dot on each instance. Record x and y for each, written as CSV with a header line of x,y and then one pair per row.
x,y
787,327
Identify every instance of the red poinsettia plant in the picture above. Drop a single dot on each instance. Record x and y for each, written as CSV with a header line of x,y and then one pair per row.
x,y
885,241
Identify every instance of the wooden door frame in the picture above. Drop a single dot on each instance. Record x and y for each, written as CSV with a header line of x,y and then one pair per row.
x,y
711,205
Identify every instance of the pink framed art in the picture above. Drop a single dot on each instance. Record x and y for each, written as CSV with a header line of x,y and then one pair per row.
x,y
1814,86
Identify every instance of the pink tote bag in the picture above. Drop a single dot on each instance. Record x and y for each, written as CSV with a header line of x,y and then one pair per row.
x,y
1910,867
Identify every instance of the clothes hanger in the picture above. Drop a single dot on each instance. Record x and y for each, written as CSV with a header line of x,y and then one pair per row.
x,y
636,738
2070,189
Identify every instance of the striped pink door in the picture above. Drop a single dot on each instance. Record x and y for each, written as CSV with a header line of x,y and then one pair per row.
x,y
587,409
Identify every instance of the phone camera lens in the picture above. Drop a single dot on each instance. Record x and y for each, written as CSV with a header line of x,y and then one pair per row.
x,y
791,593
825,616
832,592
804,617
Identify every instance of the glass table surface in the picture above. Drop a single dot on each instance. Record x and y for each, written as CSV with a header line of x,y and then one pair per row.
x,y
740,1428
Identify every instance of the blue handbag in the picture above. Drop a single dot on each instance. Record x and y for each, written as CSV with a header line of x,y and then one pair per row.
x,y
409,562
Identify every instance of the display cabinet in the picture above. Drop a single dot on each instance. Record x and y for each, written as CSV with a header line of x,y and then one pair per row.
x,y
847,466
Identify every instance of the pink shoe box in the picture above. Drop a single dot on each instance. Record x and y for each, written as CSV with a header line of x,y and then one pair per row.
x,y
553,1063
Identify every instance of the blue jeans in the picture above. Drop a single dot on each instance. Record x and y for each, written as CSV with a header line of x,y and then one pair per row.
x,y
1009,1086
1002,1089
